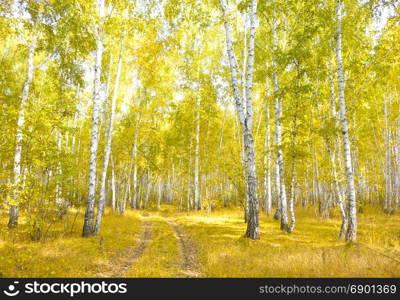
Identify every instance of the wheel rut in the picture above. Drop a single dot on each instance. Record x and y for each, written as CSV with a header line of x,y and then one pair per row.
x,y
190,266
124,259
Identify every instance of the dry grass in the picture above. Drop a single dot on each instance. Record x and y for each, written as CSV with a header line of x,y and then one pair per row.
x,y
311,251
67,255
161,258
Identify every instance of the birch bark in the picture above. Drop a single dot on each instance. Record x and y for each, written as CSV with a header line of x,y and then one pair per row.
x,y
267,163
277,215
62,207
197,157
334,157
386,206
397,169
107,152
351,233
89,214
293,179
278,131
113,187
159,196
245,117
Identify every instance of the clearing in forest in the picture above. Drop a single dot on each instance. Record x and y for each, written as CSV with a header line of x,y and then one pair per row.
x,y
174,244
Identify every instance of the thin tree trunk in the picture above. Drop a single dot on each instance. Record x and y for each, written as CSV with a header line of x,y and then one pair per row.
x,y
351,234
89,214
73,140
267,162
159,192
197,157
59,200
253,218
334,157
128,187
13,217
172,185
147,195
278,131
397,168
104,104
386,206
113,195
292,198
293,179
243,79
246,117
107,152
277,215
135,169
243,160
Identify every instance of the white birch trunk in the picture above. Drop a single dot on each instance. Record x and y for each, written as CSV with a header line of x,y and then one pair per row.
x,y
113,193
135,169
277,215
59,199
334,157
197,157
128,189
386,206
189,181
244,65
397,168
246,117
292,198
159,192
172,185
107,152
267,163
73,140
104,101
148,188
278,131
351,234
243,80
94,141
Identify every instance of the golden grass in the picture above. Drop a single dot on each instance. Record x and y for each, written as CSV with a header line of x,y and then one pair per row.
x,y
69,255
312,250
161,258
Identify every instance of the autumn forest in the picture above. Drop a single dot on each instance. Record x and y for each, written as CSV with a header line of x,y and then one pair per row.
x,y
221,138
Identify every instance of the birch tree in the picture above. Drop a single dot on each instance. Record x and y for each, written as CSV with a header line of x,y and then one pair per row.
x,y
134,203
94,139
245,116
397,169
107,152
267,192
351,233
278,130
13,217
334,156
197,204
293,177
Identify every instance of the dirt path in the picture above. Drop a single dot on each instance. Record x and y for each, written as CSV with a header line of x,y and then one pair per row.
x,y
190,267
123,261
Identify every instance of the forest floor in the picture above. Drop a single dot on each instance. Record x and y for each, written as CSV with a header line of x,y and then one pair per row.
x,y
169,243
